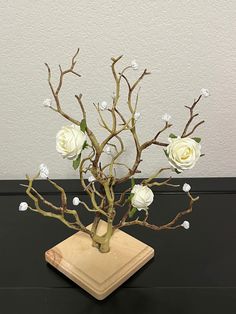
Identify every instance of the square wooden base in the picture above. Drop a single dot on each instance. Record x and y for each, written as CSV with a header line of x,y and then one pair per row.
x,y
99,273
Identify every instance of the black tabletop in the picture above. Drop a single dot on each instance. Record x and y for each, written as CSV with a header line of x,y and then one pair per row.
x,y
193,270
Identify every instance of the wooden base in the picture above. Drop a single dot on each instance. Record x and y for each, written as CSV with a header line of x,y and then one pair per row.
x,y
99,273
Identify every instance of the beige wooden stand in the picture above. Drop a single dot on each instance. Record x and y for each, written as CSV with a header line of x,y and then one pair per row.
x,y
99,273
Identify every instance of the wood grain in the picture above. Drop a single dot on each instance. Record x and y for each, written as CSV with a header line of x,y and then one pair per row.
x,y
99,273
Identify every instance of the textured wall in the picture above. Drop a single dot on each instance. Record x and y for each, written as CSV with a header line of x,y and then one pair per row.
x,y
187,44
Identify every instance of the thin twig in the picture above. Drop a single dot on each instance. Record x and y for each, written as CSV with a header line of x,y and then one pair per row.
x,y
192,116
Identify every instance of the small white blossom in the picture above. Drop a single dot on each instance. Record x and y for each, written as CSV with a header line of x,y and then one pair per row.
x,y
23,206
186,187
166,117
91,179
76,201
47,103
134,65
205,92
186,224
108,149
103,105
44,172
137,115
42,166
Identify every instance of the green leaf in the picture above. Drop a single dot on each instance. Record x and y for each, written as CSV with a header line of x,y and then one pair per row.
x,y
177,171
197,139
172,135
130,197
132,182
83,125
132,212
85,145
165,153
76,162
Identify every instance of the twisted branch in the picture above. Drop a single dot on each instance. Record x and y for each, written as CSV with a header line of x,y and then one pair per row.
x,y
77,224
101,192
170,225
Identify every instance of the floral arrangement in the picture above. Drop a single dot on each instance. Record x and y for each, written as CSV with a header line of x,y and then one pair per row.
x,y
78,143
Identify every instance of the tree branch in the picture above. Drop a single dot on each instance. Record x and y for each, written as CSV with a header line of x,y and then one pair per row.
x,y
192,116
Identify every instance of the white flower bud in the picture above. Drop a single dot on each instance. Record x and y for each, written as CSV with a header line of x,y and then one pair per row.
x,y
44,172
47,103
42,167
91,179
166,117
186,224
108,150
134,65
76,201
103,105
23,206
186,187
137,115
205,92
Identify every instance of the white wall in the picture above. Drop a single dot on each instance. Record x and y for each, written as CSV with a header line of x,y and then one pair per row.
x,y
187,44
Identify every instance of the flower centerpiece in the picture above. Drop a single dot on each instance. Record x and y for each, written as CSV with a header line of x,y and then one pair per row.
x,y
79,143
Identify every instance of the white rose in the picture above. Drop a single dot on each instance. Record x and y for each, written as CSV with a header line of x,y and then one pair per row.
x,y
183,153
143,196
70,141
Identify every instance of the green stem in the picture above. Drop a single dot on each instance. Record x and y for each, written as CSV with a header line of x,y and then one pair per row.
x,y
94,229
105,246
